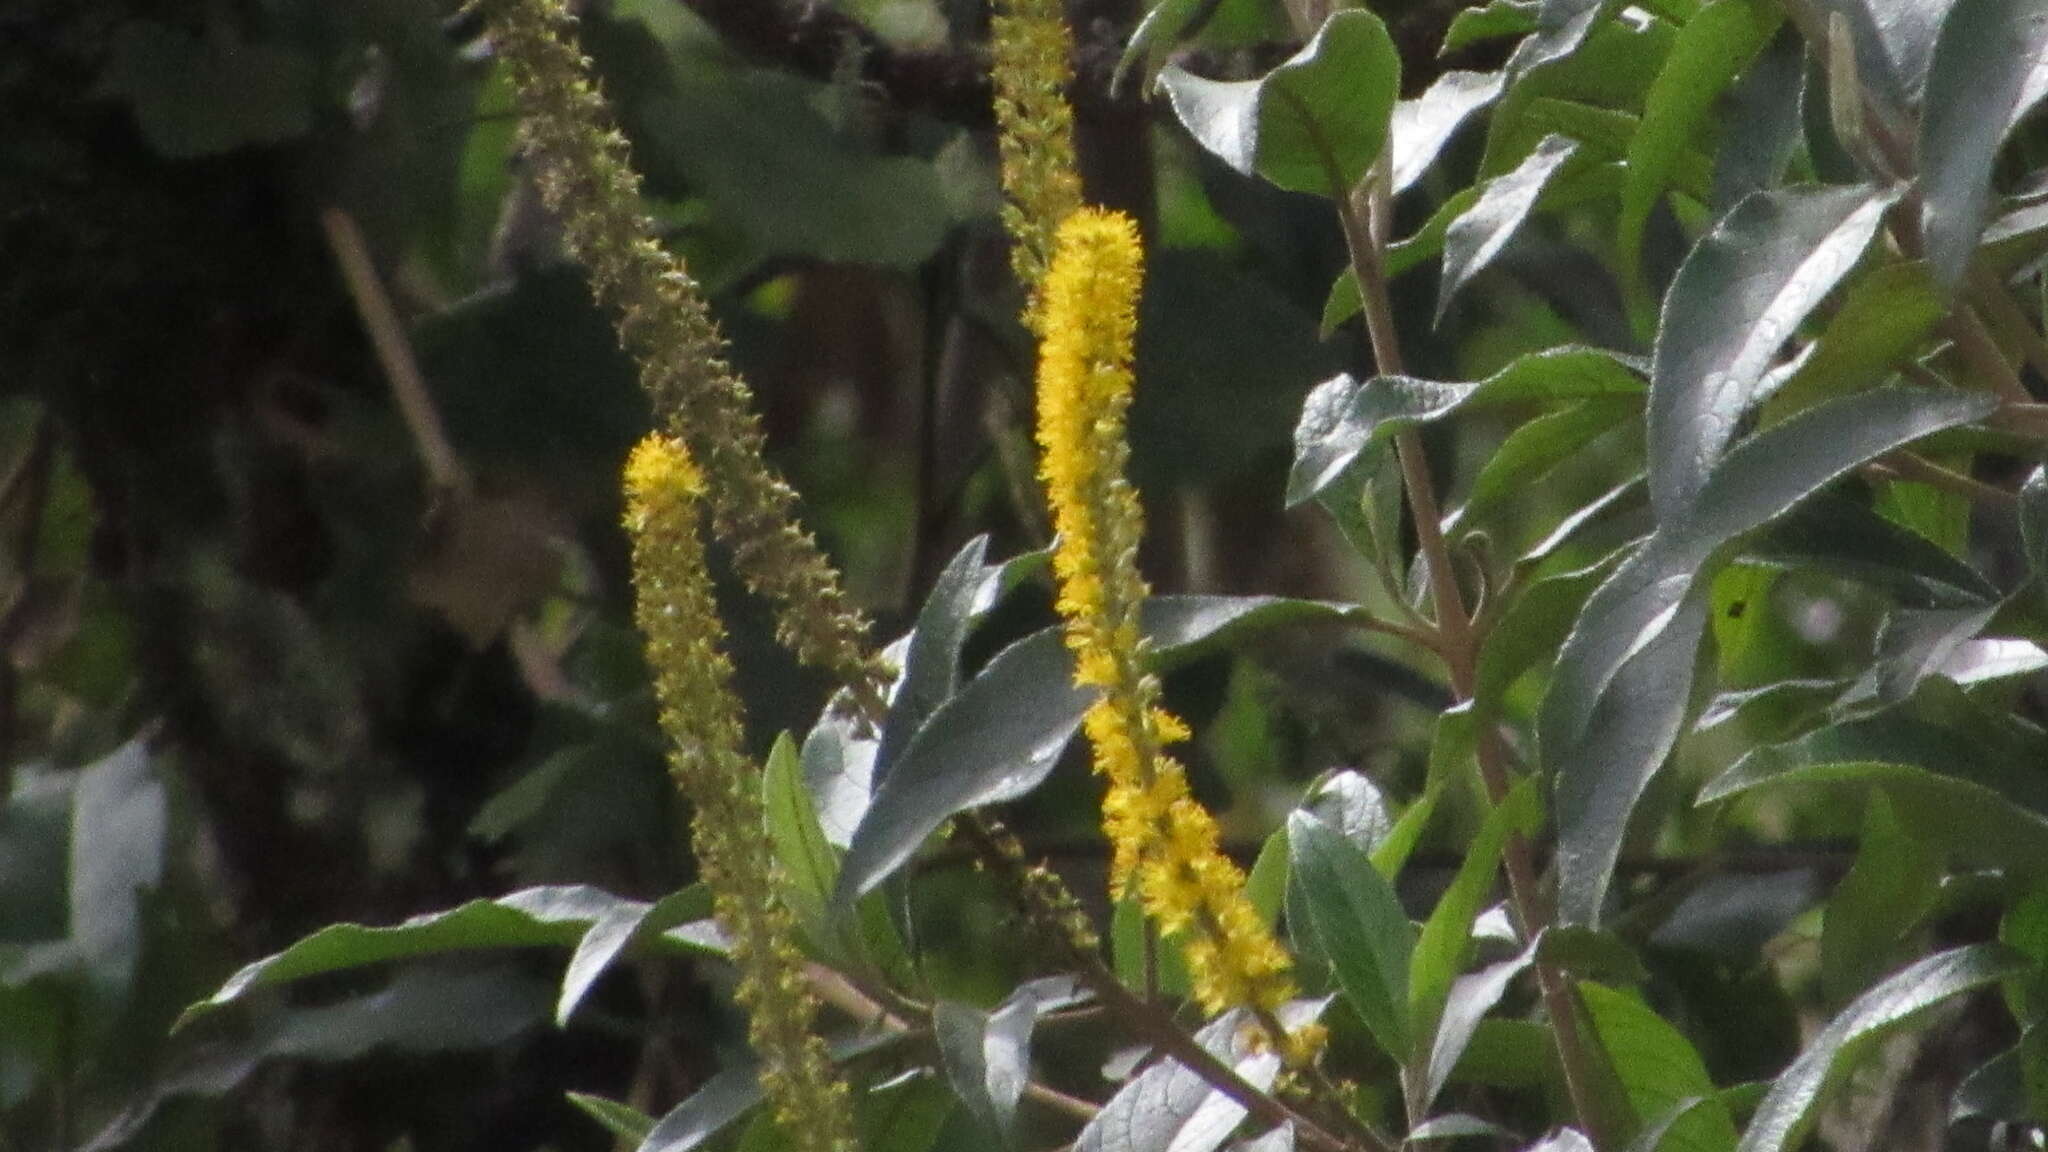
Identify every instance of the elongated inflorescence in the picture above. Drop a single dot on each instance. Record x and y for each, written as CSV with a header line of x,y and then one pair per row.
x,y
701,719
583,168
1033,51
1165,843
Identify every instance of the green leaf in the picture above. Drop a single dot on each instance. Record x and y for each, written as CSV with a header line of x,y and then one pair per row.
x,y
1167,1106
619,927
1504,203
1470,998
809,864
2034,519
1976,80
1532,450
1561,26
1313,124
1787,1110
1564,1140
1342,416
534,917
1393,852
999,736
1730,1102
421,1010
1604,766
1421,127
1658,1068
1446,937
987,1055
197,96
1894,882
618,1118
1741,293
729,1095
1885,314
1707,55
1496,19
1760,123
1352,804
1762,479
1841,536
1336,895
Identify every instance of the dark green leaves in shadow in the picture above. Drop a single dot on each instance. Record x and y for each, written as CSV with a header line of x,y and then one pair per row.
x,y
1313,124
1480,234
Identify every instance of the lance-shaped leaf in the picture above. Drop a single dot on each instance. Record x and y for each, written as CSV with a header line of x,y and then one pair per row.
x,y
1618,693
998,737
1787,1111
1740,294
987,1055
1658,1068
1471,998
1337,896
1313,124
1476,237
1343,415
1708,53
1977,81
1561,26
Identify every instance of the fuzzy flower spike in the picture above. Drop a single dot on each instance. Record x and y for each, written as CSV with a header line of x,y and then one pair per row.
x,y
1165,843
1033,65
692,681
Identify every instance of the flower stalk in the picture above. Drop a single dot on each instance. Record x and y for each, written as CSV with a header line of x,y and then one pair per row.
x,y
1033,64
701,719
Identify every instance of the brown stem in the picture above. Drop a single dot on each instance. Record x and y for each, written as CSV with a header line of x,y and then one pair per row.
x,y
1459,647
394,352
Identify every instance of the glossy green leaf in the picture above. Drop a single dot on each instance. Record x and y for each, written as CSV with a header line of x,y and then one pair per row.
x,y
1468,1001
728,1096
1710,51
2034,519
1561,26
809,863
1504,203
1787,1111
1884,315
987,1055
1658,1068
1563,1140
1982,60
1846,538
998,737
1731,1101
615,931
1167,1106
1313,124
534,917
1491,21
1421,127
931,659
1343,415
1531,451
1894,882
1336,894
1741,293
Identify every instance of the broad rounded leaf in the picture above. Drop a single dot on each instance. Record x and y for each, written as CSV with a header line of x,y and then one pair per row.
x,y
1313,124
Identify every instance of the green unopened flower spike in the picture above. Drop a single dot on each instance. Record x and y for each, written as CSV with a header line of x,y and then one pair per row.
x,y
692,680
1033,51
582,166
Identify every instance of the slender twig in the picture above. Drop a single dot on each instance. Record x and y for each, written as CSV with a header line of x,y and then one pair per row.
x,y
1459,646
394,351
1907,466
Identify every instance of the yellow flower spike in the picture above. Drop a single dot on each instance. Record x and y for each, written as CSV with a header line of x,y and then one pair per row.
x,y
1033,64
692,681
1165,844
